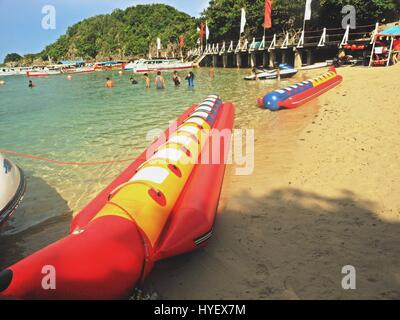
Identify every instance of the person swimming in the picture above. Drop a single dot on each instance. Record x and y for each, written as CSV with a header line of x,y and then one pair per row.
x,y
176,79
147,80
133,81
109,83
190,79
31,85
2,82
159,81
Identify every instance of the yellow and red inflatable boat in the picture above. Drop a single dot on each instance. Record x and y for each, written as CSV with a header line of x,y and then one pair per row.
x,y
162,205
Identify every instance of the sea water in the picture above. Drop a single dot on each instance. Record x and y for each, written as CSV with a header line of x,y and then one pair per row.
x,y
81,120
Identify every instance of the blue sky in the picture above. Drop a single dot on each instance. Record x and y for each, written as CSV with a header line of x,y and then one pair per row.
x,y
20,22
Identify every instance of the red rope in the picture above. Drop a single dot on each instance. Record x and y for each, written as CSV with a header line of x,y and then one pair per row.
x,y
64,163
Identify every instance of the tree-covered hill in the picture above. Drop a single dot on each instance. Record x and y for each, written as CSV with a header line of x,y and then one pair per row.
x,y
123,33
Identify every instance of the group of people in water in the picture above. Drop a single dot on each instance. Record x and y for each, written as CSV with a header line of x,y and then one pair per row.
x,y
159,80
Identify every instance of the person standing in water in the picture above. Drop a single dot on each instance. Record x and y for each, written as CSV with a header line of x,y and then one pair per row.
x,y
190,79
147,80
159,81
31,85
176,79
133,81
109,83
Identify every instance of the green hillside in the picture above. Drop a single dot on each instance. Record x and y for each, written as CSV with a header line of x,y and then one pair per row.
x,y
123,33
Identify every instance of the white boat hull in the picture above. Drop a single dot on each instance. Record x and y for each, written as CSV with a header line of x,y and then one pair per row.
x,y
285,73
138,67
12,188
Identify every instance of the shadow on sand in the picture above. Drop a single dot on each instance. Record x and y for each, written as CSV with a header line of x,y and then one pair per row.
x,y
42,218
288,244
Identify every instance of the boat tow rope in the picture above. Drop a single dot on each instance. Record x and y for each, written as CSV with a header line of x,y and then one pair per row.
x,y
65,163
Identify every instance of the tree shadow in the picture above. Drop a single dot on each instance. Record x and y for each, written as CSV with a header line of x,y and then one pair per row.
x,y
42,218
288,244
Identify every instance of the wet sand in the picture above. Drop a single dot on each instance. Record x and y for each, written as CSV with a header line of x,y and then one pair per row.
x,y
324,194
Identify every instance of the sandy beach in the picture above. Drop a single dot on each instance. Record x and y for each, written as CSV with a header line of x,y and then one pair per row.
x,y
324,194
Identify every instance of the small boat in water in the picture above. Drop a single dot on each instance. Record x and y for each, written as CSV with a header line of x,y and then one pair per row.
x,y
145,66
8,72
43,73
78,70
316,66
286,71
12,187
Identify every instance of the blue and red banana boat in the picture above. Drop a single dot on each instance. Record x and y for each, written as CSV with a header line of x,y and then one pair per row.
x,y
164,204
300,93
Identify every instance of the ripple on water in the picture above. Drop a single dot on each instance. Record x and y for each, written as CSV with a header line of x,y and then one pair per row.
x,y
81,120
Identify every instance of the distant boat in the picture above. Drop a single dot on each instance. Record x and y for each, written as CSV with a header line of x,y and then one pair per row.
x,y
109,66
143,66
79,70
315,66
18,71
286,71
8,72
43,73
12,187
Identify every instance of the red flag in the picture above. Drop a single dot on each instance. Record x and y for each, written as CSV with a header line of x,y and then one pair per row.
x,y
202,32
268,13
182,41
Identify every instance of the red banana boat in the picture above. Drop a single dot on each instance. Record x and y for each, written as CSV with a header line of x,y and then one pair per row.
x,y
162,205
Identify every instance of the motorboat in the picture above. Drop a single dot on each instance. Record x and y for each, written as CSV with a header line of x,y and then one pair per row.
x,y
45,72
145,66
12,187
78,70
8,72
316,66
286,71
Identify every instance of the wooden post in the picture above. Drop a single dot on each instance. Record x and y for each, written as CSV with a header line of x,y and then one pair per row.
x,y
390,52
272,59
225,60
298,61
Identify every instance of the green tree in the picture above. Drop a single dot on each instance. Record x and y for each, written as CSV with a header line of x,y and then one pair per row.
x,y
223,16
12,57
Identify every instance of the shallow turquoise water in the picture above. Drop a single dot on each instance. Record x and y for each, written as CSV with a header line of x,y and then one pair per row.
x,y
81,120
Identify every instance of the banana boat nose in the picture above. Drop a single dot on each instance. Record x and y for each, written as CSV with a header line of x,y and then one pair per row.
x,y
102,261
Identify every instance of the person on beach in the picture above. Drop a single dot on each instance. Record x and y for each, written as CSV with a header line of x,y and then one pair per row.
x,y
176,79
159,81
109,83
190,79
147,80
212,71
31,85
